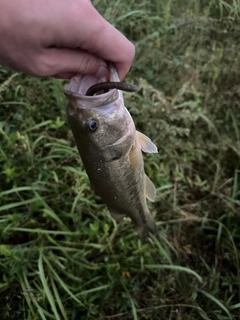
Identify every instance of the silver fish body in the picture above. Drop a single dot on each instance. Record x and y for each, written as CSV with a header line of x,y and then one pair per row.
x,y
111,151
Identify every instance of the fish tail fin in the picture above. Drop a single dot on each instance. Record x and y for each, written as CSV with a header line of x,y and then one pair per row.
x,y
149,227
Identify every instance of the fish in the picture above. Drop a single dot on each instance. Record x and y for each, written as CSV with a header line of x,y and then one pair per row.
x,y
111,150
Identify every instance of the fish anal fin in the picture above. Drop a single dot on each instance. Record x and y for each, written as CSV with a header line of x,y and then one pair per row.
x,y
116,215
146,143
150,189
149,227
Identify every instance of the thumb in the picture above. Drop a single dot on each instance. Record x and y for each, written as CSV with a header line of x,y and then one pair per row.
x,y
65,63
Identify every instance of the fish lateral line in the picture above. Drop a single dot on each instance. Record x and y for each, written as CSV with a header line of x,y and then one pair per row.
x,y
105,86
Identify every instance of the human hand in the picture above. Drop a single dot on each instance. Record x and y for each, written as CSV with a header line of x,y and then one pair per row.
x,y
60,38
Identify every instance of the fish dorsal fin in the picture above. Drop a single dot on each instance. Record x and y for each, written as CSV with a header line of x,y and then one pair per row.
x,y
146,143
150,189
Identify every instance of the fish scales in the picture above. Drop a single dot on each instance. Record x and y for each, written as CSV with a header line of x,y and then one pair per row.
x,y
111,151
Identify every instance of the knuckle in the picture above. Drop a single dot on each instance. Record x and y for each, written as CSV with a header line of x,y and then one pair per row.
x,y
87,64
44,66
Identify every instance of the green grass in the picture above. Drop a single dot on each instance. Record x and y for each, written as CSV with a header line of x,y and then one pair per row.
x,y
62,256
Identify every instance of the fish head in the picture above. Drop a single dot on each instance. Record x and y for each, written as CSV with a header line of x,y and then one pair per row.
x,y
100,119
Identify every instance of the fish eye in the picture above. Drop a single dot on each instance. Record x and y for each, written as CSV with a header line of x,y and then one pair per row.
x,y
92,124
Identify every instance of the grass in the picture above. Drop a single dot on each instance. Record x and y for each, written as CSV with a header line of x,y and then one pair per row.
x,y
62,256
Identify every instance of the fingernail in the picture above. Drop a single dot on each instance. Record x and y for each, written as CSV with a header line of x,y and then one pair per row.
x,y
102,72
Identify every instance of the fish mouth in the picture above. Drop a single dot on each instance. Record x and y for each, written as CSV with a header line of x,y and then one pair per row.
x,y
80,84
76,90
90,87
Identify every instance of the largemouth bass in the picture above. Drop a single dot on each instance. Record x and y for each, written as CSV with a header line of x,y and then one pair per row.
x,y
111,150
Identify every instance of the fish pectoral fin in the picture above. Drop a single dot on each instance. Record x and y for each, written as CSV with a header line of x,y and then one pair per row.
x,y
116,215
146,143
150,189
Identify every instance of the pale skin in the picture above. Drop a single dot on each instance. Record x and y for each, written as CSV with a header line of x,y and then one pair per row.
x,y
60,38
